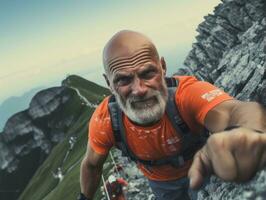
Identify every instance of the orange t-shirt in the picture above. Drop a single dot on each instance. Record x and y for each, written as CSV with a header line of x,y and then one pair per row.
x,y
193,98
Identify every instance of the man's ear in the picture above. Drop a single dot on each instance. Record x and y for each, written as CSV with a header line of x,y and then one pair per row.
x,y
163,65
107,81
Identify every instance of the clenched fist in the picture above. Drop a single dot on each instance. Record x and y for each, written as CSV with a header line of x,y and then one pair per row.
x,y
234,155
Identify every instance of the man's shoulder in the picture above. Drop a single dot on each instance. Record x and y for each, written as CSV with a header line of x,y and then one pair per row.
x,y
183,79
101,112
103,106
184,82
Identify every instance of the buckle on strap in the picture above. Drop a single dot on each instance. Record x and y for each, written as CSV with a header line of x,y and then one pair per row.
x,y
178,161
181,160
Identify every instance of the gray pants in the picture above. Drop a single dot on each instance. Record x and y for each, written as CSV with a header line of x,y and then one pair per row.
x,y
172,190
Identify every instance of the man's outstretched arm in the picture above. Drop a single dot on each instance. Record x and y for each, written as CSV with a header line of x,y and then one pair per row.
x,y
236,113
233,155
90,172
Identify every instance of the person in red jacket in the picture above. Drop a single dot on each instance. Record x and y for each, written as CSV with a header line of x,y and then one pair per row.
x,y
114,188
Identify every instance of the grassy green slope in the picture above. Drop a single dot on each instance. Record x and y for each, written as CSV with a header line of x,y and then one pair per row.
x,y
93,93
43,185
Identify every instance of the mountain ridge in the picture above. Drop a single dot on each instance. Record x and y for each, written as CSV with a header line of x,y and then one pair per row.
x,y
11,105
229,52
30,135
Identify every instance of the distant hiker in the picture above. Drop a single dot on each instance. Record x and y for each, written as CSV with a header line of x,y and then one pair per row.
x,y
115,187
119,170
72,140
160,122
59,174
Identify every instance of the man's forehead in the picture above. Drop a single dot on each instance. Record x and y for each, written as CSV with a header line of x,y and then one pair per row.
x,y
125,46
129,54
133,70
132,59
126,49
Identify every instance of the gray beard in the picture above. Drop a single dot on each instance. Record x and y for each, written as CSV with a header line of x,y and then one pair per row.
x,y
149,112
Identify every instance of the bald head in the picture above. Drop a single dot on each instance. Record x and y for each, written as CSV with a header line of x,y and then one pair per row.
x,y
126,49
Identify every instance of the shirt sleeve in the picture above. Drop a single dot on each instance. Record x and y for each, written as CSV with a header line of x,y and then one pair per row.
x,y
196,98
100,130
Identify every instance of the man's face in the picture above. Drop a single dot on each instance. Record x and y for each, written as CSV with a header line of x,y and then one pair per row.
x,y
137,81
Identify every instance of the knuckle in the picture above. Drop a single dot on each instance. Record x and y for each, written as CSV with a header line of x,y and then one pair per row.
x,y
241,138
256,140
216,141
197,154
248,137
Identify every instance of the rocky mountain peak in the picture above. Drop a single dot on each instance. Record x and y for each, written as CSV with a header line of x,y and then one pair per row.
x,y
230,49
31,134
230,52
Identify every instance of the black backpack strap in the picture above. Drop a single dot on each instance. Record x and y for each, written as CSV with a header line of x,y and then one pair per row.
x,y
174,116
171,82
172,109
189,143
118,128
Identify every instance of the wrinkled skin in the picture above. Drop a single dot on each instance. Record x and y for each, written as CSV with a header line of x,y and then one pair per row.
x,y
135,75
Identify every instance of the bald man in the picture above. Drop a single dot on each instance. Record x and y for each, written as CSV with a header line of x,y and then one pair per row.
x,y
135,74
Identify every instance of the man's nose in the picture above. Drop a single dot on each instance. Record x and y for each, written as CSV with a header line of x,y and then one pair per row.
x,y
139,88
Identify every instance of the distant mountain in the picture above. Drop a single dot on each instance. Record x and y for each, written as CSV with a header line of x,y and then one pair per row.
x,y
14,104
55,115
51,135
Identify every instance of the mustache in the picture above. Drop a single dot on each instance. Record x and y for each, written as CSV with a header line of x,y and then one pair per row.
x,y
135,98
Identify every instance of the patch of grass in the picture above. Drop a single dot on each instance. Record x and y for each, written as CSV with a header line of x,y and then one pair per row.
x,y
43,185
67,189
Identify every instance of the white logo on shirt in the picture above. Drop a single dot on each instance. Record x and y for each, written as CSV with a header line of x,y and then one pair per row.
x,y
209,96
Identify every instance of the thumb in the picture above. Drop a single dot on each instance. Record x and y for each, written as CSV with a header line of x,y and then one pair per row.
x,y
200,168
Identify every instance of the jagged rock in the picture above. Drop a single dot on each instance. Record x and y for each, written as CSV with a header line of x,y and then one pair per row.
x,y
29,136
138,186
47,101
217,189
230,52
230,49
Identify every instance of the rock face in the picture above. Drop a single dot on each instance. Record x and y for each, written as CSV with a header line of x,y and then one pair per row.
x,y
29,136
217,189
230,52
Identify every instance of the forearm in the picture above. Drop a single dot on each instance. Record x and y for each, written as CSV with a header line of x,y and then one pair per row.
x,y
250,115
90,178
236,113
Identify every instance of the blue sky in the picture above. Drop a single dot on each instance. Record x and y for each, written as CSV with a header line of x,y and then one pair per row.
x,y
41,42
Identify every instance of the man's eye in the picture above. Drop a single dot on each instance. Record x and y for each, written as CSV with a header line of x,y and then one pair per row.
x,y
123,81
149,74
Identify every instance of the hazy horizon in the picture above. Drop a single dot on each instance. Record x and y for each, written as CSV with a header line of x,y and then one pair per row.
x,y
44,41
